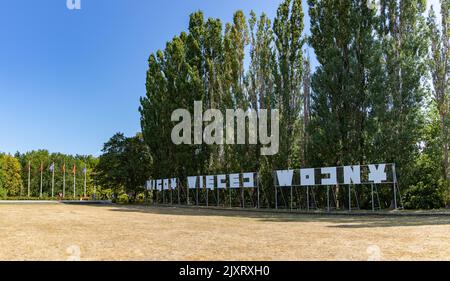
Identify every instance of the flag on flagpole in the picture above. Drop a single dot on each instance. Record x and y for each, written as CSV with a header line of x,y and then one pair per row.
x,y
84,170
40,186
64,180
74,170
52,169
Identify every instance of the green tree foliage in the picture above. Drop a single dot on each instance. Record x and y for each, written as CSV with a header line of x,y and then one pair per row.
x,y
124,165
364,103
405,46
368,92
288,72
261,90
345,85
208,64
10,177
440,67
34,159
174,81
346,82
2,190
429,188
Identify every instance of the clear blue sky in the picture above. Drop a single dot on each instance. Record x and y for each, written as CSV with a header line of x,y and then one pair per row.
x,y
70,79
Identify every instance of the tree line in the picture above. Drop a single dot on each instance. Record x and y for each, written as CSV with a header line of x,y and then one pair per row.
x,y
119,172
22,172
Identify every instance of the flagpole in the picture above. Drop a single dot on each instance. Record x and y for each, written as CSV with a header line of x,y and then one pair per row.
x,y
40,196
64,181
29,177
74,183
85,173
53,180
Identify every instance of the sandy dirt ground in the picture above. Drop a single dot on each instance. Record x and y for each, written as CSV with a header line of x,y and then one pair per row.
x,y
73,232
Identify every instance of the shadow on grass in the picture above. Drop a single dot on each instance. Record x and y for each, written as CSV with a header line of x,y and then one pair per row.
x,y
335,221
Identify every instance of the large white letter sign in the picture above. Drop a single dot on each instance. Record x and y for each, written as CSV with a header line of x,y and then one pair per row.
x,y
200,182
332,175
173,183
221,181
307,177
285,177
248,180
192,182
352,174
234,180
166,184
210,182
377,175
158,185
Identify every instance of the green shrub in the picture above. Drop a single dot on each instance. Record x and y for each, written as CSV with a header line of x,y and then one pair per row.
x,y
122,199
140,198
3,193
425,196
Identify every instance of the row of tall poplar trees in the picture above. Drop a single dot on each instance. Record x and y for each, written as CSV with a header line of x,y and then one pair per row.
x,y
382,75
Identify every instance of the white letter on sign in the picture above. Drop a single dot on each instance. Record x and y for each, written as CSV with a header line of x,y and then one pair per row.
x,y
210,182
166,184
221,183
192,182
352,174
377,175
307,177
332,177
234,180
250,180
285,177
158,185
173,183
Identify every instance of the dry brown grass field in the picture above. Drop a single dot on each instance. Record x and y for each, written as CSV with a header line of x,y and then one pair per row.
x,y
72,232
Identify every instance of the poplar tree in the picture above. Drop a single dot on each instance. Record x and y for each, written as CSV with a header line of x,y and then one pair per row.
x,y
345,81
439,67
403,33
154,120
236,39
306,108
261,91
288,71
